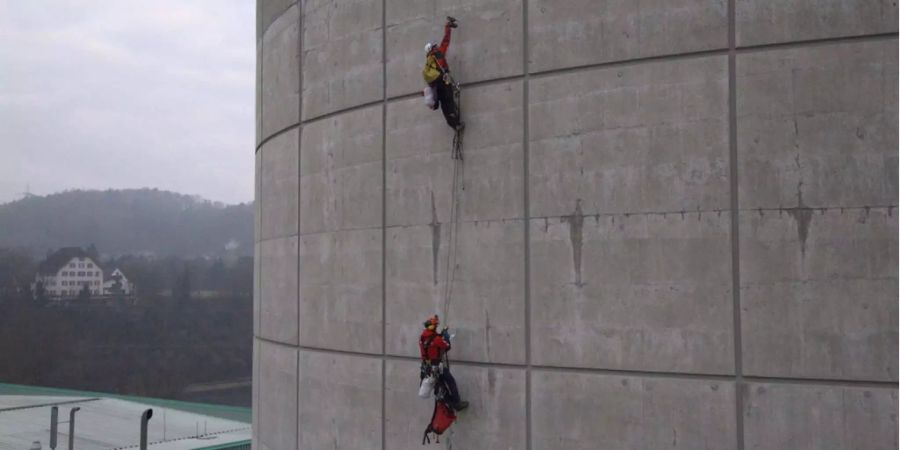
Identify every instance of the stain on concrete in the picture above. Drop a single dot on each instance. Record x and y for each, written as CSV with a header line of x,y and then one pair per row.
x,y
435,241
576,237
801,214
803,218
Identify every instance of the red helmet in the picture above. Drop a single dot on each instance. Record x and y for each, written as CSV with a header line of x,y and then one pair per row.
x,y
432,321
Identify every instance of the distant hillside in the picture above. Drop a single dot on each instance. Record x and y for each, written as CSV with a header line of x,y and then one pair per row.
x,y
128,221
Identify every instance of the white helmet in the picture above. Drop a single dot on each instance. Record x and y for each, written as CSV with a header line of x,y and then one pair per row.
x,y
429,46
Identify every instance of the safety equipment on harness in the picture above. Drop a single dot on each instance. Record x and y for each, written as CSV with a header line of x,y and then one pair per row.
x,y
426,388
441,419
430,98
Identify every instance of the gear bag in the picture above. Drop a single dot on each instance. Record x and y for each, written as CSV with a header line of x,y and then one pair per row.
x,y
427,386
441,419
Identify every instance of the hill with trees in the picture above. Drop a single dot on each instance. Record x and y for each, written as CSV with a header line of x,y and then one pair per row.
x,y
128,222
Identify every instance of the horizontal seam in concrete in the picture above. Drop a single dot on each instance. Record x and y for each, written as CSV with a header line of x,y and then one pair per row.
x,y
629,62
817,208
276,17
822,382
274,238
465,222
588,214
598,371
815,42
276,134
339,112
339,230
472,84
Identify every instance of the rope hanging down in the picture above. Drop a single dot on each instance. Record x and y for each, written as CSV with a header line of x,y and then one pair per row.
x,y
453,238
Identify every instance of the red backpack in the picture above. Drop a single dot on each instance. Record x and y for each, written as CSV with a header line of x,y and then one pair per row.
x,y
441,419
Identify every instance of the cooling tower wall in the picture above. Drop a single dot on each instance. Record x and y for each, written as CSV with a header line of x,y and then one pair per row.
x,y
677,224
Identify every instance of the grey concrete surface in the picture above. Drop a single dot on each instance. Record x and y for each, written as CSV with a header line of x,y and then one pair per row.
x,y
342,54
487,310
819,293
638,292
676,230
802,148
280,64
276,424
340,290
581,32
278,198
278,290
495,51
766,22
340,401
580,411
648,137
340,172
420,173
807,417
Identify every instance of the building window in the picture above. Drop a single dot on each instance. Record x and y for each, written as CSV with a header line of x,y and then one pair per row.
x,y
81,265
72,265
90,266
80,274
65,283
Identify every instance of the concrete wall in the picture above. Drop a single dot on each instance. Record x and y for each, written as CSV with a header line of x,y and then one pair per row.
x,y
678,227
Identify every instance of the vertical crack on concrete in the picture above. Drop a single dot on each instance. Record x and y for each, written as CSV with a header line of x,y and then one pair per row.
x,y
576,236
435,241
487,334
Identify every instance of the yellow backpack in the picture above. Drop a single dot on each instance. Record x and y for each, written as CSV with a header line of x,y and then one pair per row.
x,y
431,71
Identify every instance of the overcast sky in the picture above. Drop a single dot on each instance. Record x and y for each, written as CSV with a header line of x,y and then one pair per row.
x,y
98,94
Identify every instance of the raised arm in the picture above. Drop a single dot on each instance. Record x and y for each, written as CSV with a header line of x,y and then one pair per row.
x,y
445,43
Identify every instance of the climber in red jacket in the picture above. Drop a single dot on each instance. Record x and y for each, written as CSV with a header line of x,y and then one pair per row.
x,y
433,347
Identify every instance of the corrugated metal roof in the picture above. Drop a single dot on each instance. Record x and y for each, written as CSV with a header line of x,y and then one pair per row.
x,y
110,423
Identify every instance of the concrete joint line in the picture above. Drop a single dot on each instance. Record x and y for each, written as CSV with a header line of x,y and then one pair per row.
x,y
383,223
735,221
276,134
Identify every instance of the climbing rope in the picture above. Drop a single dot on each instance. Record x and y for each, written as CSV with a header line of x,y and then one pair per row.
x,y
453,238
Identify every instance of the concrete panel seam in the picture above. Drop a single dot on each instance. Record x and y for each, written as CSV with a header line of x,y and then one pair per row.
x,y
735,218
299,5
278,14
816,42
823,382
527,227
341,111
598,371
466,85
383,221
276,134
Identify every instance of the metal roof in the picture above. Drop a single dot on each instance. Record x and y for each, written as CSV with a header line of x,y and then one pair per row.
x,y
111,423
